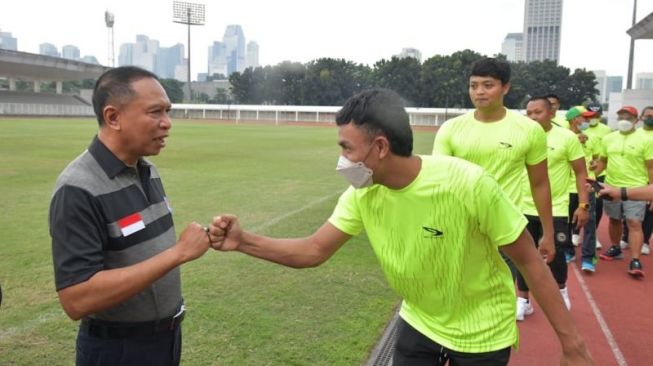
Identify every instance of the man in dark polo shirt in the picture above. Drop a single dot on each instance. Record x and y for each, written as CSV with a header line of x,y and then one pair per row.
x,y
116,257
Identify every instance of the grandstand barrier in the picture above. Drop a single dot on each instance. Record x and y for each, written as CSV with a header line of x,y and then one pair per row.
x,y
50,110
298,114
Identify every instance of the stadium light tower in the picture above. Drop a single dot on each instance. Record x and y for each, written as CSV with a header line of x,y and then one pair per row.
x,y
109,20
189,14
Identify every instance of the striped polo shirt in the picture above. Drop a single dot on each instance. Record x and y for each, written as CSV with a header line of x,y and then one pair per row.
x,y
105,215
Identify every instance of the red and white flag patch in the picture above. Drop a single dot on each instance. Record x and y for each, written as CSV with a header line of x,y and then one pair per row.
x,y
131,224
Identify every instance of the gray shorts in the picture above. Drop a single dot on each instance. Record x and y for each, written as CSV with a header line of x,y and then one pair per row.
x,y
629,210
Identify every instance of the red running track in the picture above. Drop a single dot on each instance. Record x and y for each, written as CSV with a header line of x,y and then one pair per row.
x,y
612,310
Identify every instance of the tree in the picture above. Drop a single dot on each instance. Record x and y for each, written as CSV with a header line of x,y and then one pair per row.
x,y
174,89
445,79
401,75
332,81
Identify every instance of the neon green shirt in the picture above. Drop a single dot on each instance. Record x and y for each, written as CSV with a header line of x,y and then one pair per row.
x,y
503,148
591,148
597,132
563,147
627,156
561,121
436,240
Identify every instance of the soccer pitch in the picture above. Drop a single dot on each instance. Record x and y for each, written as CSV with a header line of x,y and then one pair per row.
x,y
280,180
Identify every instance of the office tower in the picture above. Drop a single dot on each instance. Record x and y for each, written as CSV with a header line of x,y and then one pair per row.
x,y
512,46
217,59
167,59
252,54
90,60
234,41
7,42
70,52
542,30
410,52
644,80
48,49
126,54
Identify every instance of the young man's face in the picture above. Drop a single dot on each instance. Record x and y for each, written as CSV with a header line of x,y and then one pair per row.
x,y
538,111
647,114
487,92
555,104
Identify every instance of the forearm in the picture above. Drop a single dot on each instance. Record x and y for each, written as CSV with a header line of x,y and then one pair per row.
x,y
110,287
640,193
541,192
583,194
296,252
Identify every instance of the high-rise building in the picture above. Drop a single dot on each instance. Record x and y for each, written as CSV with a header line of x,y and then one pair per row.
x,y
410,52
607,84
146,53
644,80
252,54
512,46
234,41
542,30
167,59
70,52
126,55
7,42
615,84
90,59
217,59
49,49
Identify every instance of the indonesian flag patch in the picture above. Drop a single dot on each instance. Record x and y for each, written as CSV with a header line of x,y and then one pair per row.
x,y
131,224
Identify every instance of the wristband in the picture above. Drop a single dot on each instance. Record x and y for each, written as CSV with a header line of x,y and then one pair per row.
x,y
624,194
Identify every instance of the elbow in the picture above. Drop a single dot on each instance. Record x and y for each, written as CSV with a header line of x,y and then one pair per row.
x,y
71,307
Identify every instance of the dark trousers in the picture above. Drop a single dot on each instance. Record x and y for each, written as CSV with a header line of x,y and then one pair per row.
x,y
415,349
562,241
161,349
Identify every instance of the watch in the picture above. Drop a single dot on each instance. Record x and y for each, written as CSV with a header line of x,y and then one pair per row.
x,y
584,205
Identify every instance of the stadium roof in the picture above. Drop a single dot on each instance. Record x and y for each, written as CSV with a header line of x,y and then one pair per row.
x,y
643,29
30,66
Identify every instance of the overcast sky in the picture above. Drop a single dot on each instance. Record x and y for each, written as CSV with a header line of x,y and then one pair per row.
x,y
364,31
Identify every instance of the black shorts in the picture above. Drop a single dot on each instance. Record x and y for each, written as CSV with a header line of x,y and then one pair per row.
x,y
415,349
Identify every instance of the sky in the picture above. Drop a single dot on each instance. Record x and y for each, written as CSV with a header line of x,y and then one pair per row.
x,y
363,31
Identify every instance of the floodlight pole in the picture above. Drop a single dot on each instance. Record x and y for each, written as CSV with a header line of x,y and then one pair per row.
x,y
190,92
631,57
189,14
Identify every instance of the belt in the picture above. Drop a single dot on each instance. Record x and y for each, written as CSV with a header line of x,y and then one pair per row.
x,y
117,330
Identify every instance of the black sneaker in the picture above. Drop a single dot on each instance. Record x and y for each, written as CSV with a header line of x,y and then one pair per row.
x,y
635,268
614,252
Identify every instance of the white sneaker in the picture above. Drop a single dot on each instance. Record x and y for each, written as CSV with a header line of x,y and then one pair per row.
x,y
565,297
623,244
646,250
598,244
575,239
524,307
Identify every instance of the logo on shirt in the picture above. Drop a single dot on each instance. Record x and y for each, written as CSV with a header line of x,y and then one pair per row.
x,y
432,233
505,145
131,224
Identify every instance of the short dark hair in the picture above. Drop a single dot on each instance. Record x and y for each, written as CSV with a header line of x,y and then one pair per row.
x,y
492,67
380,111
645,109
114,86
554,96
545,99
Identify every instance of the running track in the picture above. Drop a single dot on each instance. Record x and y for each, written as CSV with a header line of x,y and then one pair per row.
x,y
613,312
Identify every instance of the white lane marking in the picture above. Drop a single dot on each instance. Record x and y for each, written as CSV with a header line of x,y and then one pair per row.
x,y
278,219
621,361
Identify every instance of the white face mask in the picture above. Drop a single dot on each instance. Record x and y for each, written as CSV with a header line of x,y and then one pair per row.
x,y
624,125
357,174
594,122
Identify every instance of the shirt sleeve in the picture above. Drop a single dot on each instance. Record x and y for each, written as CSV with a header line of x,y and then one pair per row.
x,y
498,217
575,149
442,143
537,152
346,216
77,229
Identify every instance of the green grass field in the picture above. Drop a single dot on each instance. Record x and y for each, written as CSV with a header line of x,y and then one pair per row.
x,y
280,180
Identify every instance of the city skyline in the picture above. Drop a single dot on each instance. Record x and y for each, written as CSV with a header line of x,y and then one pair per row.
x,y
593,32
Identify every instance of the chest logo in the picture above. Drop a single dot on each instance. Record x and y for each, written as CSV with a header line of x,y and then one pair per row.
x,y
505,145
131,224
432,233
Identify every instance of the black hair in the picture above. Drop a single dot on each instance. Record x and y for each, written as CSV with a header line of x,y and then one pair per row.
x,y
380,111
492,67
645,109
545,99
114,86
554,96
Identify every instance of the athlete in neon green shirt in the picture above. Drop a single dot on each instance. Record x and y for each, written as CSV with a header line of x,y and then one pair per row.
x,y
627,156
566,163
503,142
555,104
435,223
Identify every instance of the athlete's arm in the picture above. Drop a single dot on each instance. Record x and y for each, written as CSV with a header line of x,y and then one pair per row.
x,y
310,251
580,172
545,290
601,165
538,178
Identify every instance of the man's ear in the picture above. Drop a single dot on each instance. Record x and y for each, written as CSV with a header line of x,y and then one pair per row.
x,y
506,88
383,146
111,114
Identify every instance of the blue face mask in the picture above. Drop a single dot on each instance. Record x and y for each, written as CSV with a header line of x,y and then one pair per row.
x,y
583,126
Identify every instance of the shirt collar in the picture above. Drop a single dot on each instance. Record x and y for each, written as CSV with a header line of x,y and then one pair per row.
x,y
109,162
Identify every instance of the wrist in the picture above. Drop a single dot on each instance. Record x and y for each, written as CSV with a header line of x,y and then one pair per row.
x,y
584,205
